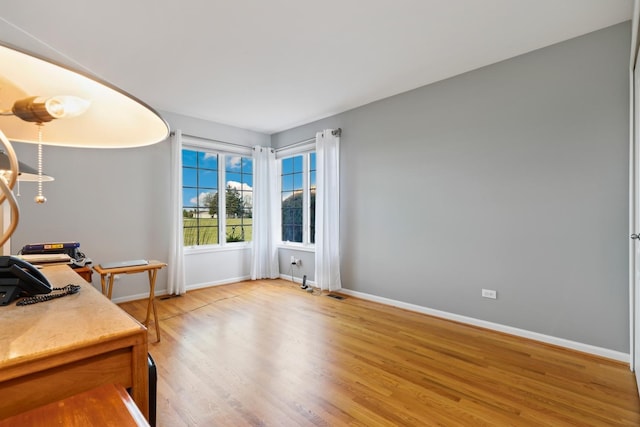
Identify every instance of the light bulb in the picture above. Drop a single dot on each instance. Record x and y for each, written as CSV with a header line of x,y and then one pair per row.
x,y
66,106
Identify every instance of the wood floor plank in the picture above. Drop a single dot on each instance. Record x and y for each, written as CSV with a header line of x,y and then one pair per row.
x,y
265,353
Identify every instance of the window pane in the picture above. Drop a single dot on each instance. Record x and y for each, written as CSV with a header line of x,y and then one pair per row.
x,y
208,204
297,181
207,160
200,198
248,200
287,166
312,161
234,177
292,218
287,183
312,196
312,180
189,158
208,179
233,163
238,232
292,233
247,167
190,233
189,197
189,177
208,235
298,198
238,198
292,197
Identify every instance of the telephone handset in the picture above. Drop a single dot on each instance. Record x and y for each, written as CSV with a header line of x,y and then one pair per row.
x,y
20,278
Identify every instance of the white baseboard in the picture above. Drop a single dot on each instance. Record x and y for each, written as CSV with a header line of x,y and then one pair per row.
x,y
136,297
573,345
287,277
161,292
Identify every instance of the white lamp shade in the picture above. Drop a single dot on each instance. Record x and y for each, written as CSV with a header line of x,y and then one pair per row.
x,y
114,119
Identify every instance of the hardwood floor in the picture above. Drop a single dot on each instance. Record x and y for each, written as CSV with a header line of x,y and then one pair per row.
x,y
266,353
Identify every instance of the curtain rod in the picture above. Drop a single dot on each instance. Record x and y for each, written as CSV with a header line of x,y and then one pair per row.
x,y
213,140
335,132
295,144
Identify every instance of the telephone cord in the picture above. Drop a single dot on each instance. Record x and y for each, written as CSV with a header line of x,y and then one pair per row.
x,y
67,290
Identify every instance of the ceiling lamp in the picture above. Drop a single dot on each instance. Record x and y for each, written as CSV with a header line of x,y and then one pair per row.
x,y
113,119
78,110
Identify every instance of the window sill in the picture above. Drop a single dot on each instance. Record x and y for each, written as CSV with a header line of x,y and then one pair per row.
x,y
296,247
190,250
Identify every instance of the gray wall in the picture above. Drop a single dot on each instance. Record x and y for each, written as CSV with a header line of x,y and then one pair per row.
x,y
114,202
305,268
512,177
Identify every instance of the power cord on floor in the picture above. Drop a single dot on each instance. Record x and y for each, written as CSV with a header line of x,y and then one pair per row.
x,y
310,289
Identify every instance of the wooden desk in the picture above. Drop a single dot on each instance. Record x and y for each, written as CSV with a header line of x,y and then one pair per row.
x,y
151,268
108,405
55,349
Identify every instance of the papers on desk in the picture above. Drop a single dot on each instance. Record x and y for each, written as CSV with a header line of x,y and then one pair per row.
x,y
120,264
46,258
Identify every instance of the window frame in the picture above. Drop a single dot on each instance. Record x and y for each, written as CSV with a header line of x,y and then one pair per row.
x,y
223,151
224,205
305,150
197,172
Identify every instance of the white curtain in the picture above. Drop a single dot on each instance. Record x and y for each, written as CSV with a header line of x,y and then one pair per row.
x,y
328,210
264,258
175,267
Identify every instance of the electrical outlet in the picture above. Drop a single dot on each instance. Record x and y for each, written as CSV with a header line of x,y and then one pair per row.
x,y
488,293
298,262
293,259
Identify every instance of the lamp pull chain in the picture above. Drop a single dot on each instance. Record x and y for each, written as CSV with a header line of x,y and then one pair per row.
x,y
40,198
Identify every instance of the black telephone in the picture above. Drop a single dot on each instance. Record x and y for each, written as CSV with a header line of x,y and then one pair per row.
x,y
20,278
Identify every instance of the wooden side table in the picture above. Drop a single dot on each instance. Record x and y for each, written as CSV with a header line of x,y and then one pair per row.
x,y
84,272
151,268
106,405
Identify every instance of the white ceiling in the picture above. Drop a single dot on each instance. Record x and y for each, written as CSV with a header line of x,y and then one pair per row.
x,y
269,65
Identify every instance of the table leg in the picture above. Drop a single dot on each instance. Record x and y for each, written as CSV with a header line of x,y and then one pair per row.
x,y
111,278
155,318
152,302
103,284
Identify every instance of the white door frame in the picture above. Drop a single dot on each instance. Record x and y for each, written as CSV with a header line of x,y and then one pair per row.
x,y
634,225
